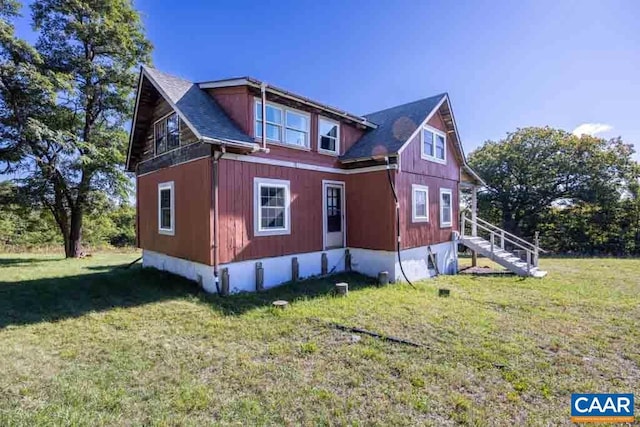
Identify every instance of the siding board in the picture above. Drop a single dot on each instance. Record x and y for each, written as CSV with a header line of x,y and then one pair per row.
x,y
192,186
369,214
416,170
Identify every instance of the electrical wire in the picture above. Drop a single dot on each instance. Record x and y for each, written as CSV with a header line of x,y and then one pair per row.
x,y
395,196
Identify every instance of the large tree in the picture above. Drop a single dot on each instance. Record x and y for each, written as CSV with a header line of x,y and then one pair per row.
x,y
534,169
64,101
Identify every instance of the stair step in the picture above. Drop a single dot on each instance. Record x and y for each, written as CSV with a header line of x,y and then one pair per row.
x,y
503,257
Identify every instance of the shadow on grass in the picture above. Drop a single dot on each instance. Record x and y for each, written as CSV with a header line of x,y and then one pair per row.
x,y
108,287
57,298
18,262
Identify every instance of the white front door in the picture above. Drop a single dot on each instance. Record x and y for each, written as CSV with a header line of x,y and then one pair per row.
x,y
333,214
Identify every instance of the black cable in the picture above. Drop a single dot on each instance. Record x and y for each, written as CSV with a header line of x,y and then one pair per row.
x,y
395,196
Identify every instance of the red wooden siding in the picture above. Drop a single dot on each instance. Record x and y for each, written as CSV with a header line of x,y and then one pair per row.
x,y
192,186
425,233
411,160
369,214
415,170
238,103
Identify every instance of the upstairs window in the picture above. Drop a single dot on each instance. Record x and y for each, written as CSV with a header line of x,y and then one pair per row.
x,y
167,133
271,206
433,145
166,208
446,202
297,129
284,125
420,203
274,122
329,136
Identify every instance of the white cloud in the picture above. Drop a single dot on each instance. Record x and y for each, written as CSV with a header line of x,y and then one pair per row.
x,y
592,129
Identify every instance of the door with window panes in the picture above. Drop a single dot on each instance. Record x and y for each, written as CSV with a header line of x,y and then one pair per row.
x,y
334,215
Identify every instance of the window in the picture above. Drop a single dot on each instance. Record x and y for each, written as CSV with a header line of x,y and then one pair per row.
x,y
167,133
334,209
446,202
329,136
166,208
284,125
271,206
433,145
420,203
274,122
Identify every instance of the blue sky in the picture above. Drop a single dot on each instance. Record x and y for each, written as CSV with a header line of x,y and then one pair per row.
x,y
505,64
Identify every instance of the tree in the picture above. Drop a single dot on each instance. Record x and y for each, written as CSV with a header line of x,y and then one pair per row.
x,y
534,169
64,101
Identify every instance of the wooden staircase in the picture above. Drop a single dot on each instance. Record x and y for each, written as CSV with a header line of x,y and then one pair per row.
x,y
506,249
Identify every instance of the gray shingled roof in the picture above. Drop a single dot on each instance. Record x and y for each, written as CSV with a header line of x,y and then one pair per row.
x,y
198,108
395,126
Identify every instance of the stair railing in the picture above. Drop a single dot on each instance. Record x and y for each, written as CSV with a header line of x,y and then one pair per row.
x,y
532,249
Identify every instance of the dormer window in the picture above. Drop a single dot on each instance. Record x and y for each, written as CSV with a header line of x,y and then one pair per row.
x,y
329,136
434,143
167,133
284,125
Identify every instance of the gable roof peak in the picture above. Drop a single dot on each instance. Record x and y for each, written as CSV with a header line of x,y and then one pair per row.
x,y
395,126
418,102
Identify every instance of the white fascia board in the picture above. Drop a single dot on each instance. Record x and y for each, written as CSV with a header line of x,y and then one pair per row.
x,y
304,166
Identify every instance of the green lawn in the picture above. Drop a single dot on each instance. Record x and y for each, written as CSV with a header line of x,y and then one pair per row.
x,y
83,342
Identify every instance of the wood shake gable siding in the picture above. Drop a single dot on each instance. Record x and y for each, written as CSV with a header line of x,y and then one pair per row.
x,y
416,170
162,109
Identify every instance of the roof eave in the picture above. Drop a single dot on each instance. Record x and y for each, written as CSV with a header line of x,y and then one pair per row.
x,y
364,159
133,122
230,142
245,81
473,173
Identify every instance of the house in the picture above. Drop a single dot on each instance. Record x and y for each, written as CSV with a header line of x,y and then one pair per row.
x,y
244,185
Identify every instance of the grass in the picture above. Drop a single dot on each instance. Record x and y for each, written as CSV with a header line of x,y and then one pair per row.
x,y
83,342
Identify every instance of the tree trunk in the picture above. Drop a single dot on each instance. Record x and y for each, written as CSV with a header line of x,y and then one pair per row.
x,y
73,242
508,221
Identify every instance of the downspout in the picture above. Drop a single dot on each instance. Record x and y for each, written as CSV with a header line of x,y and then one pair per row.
x,y
214,201
395,197
263,91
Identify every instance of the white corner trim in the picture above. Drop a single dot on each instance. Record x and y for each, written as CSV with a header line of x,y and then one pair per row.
x,y
258,183
446,224
424,122
305,166
172,208
414,189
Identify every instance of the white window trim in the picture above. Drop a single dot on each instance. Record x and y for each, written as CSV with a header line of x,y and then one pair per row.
x,y
283,126
167,186
258,183
435,132
155,146
329,152
444,224
414,216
